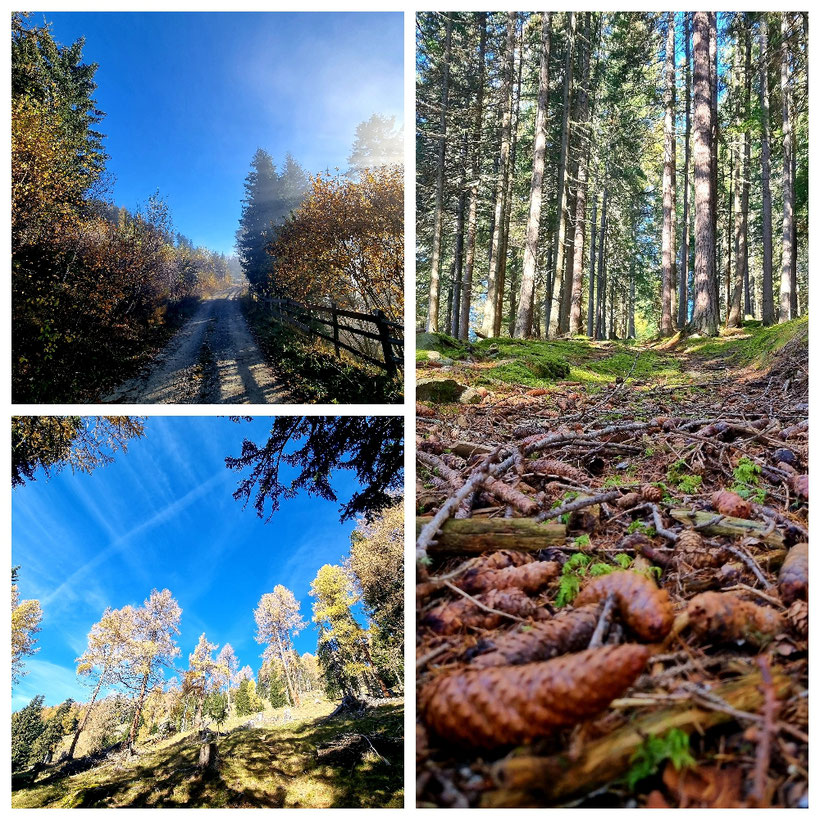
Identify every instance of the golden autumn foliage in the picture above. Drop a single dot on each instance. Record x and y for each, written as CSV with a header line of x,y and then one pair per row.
x,y
345,243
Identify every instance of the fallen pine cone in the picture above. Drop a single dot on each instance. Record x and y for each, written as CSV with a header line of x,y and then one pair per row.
x,y
455,616
626,502
511,705
569,631
691,549
502,559
798,617
651,493
644,608
530,578
723,618
728,503
793,580
553,467
800,485
424,412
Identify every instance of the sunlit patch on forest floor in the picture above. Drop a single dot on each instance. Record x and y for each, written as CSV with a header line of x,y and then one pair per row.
x,y
687,466
275,762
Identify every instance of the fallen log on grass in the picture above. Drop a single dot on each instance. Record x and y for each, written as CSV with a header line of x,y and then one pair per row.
x,y
474,536
607,759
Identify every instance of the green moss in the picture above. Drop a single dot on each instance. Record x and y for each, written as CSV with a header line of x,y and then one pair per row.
x,y
444,344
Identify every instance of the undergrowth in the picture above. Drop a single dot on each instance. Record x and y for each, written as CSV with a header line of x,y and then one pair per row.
x,y
313,375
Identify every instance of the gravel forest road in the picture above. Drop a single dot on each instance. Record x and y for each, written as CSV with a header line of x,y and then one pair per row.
x,y
212,359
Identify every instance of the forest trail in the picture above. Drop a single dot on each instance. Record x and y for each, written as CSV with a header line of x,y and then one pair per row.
x,y
212,359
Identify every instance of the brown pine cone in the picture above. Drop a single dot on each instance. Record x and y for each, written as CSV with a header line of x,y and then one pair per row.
x,y
569,631
724,618
553,467
530,578
651,494
644,608
626,502
505,705
728,503
502,559
798,617
691,549
793,580
454,616
800,485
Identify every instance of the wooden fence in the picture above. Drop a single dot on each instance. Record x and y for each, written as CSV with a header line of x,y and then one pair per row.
x,y
313,320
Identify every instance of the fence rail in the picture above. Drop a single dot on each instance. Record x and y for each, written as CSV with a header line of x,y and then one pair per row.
x,y
306,317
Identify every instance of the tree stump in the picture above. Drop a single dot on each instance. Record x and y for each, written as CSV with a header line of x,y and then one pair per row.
x,y
208,759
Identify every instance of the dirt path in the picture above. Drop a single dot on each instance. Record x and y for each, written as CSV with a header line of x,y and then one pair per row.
x,y
213,359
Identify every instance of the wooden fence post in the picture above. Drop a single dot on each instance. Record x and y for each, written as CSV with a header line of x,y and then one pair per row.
x,y
384,337
335,329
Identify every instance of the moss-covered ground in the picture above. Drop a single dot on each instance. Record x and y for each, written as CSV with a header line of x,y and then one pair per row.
x,y
503,364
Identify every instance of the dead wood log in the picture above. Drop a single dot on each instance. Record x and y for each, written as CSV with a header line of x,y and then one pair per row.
x,y
608,758
727,525
476,535
208,758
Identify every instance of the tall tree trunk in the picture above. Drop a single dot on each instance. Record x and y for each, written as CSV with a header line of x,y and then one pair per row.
x,y
705,317
734,284
715,129
435,260
668,237
458,262
793,289
585,145
292,694
767,296
469,261
491,303
630,328
526,300
135,722
505,235
600,319
683,266
561,189
591,295
86,715
788,182
747,163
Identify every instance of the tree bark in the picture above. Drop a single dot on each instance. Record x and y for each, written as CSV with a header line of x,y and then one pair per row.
x,y
585,140
668,237
683,266
591,295
705,314
600,319
715,132
86,716
135,723
767,296
435,260
526,301
788,182
490,305
561,189
469,261
501,275
458,262
747,164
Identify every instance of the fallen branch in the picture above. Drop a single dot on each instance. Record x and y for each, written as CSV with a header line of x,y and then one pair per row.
x,y
578,504
735,527
474,536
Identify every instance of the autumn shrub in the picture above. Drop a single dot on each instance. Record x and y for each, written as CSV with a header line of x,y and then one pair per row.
x,y
345,243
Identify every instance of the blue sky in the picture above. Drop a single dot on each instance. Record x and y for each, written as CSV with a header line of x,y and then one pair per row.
x,y
163,516
189,97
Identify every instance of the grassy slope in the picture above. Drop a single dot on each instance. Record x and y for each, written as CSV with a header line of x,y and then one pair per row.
x,y
270,766
499,362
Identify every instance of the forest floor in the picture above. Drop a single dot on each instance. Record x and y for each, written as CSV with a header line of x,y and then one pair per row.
x,y
212,359
268,761
651,504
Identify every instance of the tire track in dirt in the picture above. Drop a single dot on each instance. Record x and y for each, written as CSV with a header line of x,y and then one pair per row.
x,y
213,359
